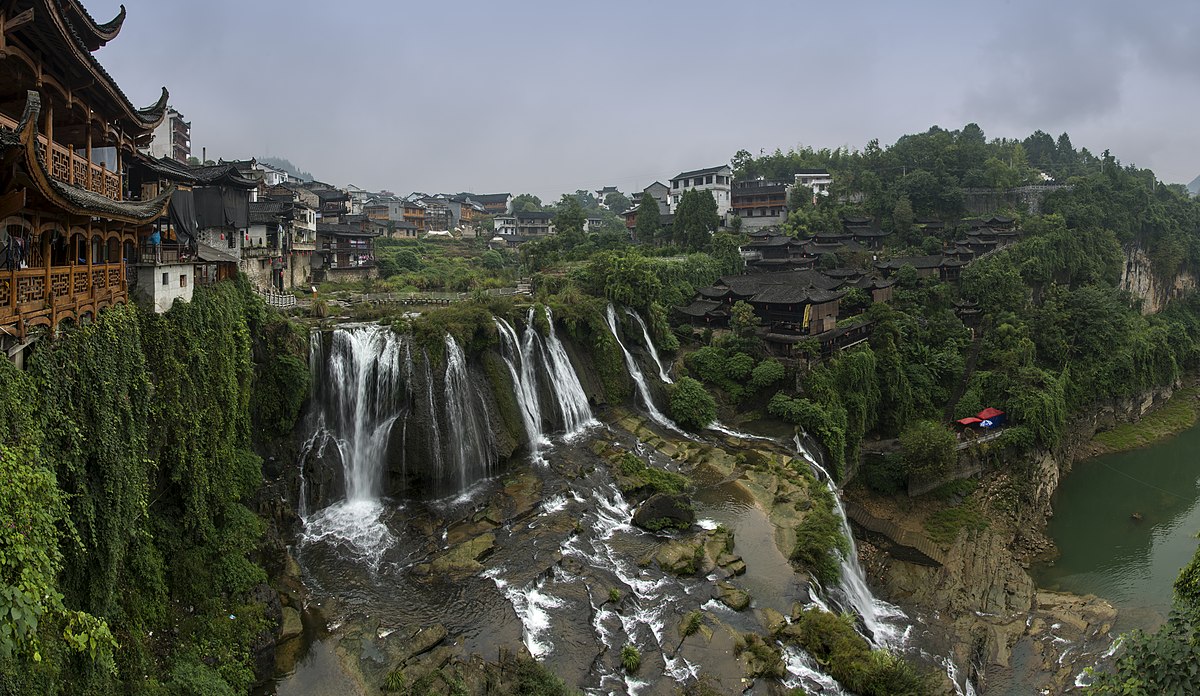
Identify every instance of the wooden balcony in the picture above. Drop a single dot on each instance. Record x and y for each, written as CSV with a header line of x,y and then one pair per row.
x,y
66,166
46,296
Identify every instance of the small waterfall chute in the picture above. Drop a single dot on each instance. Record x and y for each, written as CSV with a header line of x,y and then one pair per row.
x,y
662,372
520,367
879,617
568,392
469,450
635,372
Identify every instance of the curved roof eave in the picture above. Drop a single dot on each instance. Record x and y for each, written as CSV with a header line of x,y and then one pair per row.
x,y
72,199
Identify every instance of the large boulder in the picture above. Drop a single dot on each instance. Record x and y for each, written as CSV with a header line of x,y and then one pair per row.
x,y
665,511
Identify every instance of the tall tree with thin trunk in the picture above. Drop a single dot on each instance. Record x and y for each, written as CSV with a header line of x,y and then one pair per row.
x,y
648,220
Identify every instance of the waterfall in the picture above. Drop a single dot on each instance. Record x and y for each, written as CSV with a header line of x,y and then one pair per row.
x,y
439,465
519,359
662,373
363,388
469,450
875,612
636,373
572,400
359,387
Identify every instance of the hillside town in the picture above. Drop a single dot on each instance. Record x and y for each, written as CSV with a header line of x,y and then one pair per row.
x,y
107,203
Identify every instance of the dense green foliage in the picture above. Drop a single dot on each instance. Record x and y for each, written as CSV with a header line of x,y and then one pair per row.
x,y
820,540
692,406
927,449
847,657
128,445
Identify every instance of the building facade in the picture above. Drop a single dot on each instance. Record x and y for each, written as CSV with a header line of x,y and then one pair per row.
x,y
717,181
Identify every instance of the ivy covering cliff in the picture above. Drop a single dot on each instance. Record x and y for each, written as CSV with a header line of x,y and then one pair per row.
x,y
129,557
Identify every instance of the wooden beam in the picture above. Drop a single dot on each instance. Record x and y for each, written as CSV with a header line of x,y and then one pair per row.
x,y
11,25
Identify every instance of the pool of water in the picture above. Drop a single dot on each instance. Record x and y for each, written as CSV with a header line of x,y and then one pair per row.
x,y
1125,525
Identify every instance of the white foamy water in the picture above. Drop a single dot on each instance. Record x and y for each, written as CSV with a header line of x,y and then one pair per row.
x,y
662,373
354,524
533,607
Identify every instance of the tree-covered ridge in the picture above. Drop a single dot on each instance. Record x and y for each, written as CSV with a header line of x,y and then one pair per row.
x,y
130,438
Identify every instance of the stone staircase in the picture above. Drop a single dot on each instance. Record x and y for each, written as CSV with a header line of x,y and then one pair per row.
x,y
902,544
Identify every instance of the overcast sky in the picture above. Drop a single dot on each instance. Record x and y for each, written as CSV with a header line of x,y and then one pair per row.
x,y
553,96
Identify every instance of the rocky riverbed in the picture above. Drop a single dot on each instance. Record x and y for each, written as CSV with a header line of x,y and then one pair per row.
x,y
546,561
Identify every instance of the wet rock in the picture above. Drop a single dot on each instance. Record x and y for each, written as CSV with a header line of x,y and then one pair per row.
x,y
733,597
761,659
678,557
772,620
715,649
292,626
423,641
734,564
464,558
663,511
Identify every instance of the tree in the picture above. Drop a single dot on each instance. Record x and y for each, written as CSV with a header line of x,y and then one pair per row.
x,y
569,221
618,202
526,203
646,229
691,405
726,247
928,449
696,219
800,197
902,218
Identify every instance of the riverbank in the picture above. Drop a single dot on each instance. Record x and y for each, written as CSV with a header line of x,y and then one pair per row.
x,y
1172,418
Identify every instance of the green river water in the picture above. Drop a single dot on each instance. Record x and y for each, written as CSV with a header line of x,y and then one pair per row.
x,y
1105,550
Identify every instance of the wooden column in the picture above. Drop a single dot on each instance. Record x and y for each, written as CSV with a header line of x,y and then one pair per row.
x,y
91,284
89,155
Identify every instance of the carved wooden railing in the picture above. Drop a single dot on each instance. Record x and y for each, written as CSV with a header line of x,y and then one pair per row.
x,y
66,166
30,293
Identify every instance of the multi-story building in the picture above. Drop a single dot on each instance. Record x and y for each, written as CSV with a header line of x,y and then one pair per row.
x,y
818,180
522,227
760,202
69,228
172,138
715,180
493,203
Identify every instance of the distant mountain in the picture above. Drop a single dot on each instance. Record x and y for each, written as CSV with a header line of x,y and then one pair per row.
x,y
287,166
1194,187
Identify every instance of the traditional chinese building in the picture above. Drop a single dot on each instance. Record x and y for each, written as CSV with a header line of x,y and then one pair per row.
x,y
69,227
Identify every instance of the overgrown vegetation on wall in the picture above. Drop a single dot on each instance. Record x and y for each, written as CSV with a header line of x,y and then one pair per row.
x,y
129,440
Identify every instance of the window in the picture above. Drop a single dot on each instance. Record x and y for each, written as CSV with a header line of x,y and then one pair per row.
x,y
675,184
708,179
182,280
165,281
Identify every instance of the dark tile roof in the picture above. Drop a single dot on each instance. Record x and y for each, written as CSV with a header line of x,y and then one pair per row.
x,y
486,198
813,171
266,212
699,172
338,229
221,175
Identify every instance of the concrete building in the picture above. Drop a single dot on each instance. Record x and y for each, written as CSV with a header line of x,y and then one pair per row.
x,y
172,138
716,180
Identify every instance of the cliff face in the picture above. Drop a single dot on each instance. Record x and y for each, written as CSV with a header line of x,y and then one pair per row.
x,y
984,598
1139,278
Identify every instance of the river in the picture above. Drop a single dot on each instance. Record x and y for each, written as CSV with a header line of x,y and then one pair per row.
x,y
1106,550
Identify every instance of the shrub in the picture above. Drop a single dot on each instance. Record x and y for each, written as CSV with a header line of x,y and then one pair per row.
x,y
691,405
631,659
928,449
766,373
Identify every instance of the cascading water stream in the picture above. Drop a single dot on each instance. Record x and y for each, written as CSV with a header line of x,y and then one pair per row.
x,y
359,387
470,450
878,616
521,368
662,373
635,372
572,399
